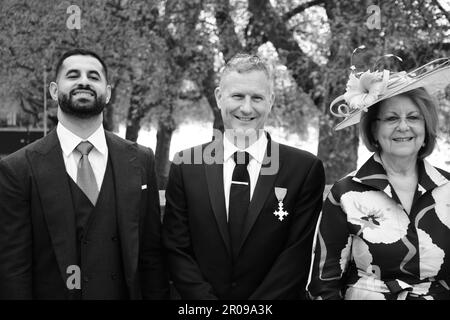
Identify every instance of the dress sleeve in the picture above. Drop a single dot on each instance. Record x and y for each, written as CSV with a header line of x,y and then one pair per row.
x,y
332,251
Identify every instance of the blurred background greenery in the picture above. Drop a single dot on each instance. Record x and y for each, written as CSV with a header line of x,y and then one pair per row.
x,y
163,57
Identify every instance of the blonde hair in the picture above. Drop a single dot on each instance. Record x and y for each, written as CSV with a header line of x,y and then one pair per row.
x,y
244,62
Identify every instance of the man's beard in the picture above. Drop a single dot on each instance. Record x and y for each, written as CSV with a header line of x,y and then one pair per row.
x,y
85,109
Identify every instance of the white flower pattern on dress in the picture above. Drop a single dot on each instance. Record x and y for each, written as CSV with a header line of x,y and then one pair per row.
x,y
422,288
363,258
441,196
361,291
390,250
345,255
380,218
431,256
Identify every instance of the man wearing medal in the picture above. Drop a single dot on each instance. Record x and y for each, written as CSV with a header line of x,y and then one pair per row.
x,y
240,218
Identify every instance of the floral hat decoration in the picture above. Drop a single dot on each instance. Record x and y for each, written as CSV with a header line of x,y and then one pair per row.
x,y
364,89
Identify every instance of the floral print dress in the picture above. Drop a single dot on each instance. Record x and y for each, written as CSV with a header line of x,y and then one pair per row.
x,y
367,247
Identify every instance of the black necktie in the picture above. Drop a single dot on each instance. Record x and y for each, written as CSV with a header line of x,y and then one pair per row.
x,y
239,199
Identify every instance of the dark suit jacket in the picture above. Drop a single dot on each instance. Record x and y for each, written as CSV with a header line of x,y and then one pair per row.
x,y
37,221
274,256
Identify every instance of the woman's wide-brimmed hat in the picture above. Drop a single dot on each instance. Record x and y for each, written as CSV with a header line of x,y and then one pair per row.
x,y
369,88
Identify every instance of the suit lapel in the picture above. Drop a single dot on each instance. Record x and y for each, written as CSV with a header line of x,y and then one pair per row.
x,y
214,178
127,182
50,173
263,187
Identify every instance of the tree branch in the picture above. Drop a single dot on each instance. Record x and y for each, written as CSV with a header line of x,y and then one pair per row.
x,y
300,9
446,13
270,26
22,66
23,104
228,39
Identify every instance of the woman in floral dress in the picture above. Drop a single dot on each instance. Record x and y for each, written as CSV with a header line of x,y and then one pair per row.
x,y
384,232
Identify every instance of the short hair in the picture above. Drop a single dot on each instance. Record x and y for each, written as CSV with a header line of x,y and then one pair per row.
x,y
79,52
428,109
244,62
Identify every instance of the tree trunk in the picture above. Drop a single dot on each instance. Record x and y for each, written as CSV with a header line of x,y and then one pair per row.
x,y
337,150
229,46
266,25
133,122
208,87
163,138
229,43
108,118
136,112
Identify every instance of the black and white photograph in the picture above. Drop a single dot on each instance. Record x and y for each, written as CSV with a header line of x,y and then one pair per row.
x,y
225,158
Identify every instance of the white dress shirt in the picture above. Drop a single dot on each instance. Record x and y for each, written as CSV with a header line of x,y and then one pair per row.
x,y
98,157
256,152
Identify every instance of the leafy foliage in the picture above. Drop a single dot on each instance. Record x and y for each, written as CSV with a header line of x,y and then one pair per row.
x,y
163,57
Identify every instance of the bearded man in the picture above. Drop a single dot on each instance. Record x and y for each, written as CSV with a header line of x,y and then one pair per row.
x,y
79,208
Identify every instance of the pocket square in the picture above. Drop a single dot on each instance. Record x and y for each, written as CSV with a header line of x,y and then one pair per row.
x,y
144,186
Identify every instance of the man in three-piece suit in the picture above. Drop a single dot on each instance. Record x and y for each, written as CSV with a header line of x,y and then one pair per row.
x,y
241,210
79,209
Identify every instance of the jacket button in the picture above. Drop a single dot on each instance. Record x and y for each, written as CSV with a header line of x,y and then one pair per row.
x,y
114,276
85,241
114,238
233,284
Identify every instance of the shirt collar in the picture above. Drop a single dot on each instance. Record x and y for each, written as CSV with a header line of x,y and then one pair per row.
x,y
372,173
69,140
429,176
256,150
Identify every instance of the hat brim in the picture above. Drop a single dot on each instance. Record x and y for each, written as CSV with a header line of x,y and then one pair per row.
x,y
433,82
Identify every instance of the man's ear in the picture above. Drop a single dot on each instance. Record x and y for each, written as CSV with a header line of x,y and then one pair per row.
x,y
218,95
108,93
53,89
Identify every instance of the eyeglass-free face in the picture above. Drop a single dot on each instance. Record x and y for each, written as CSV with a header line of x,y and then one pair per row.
x,y
400,127
81,88
245,100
